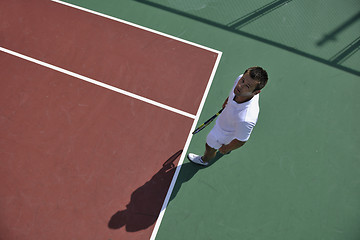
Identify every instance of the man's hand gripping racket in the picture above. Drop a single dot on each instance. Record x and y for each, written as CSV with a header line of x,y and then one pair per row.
x,y
202,126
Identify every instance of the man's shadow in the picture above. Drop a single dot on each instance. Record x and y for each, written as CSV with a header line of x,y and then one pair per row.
x,y
146,201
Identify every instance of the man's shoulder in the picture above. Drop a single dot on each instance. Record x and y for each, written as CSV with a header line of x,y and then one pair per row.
x,y
251,112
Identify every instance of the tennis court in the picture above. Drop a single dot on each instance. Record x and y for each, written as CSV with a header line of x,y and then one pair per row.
x,y
98,101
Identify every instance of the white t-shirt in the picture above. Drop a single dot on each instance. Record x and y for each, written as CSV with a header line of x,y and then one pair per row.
x,y
238,119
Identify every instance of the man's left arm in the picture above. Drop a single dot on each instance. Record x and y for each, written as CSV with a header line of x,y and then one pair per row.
x,y
234,144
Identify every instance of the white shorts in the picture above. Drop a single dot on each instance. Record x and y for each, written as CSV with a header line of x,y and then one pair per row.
x,y
216,138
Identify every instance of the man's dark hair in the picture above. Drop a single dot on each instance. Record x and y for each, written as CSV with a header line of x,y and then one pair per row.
x,y
258,74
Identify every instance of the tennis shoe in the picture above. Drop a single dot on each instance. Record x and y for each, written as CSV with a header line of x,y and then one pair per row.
x,y
197,159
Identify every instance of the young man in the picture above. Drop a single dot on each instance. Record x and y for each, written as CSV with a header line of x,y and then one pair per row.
x,y
234,125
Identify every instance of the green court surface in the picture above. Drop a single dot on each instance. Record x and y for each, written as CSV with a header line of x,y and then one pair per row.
x,y
298,177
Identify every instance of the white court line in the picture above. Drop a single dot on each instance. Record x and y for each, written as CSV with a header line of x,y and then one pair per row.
x,y
104,85
186,147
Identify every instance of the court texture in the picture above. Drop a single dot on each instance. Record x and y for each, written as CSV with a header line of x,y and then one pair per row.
x,y
98,100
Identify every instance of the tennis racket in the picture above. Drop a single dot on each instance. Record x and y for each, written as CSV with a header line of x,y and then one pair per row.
x,y
202,126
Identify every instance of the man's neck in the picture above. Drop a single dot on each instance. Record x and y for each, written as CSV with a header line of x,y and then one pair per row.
x,y
240,99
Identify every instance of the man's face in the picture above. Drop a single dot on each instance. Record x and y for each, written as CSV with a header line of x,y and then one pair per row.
x,y
246,86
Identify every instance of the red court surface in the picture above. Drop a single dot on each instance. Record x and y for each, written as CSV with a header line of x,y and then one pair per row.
x,y
73,153
79,161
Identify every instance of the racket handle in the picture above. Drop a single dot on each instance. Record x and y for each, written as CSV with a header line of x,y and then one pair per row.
x,y
202,126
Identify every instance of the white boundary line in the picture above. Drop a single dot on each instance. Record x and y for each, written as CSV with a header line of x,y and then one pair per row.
x,y
104,85
181,161
135,25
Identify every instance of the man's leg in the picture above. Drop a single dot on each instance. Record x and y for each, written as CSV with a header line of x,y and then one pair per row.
x,y
209,153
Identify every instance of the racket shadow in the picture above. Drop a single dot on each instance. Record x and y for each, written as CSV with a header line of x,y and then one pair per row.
x,y
146,201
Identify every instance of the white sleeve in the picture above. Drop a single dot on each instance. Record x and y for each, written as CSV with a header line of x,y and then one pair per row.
x,y
243,131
